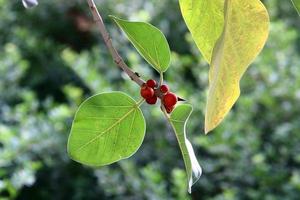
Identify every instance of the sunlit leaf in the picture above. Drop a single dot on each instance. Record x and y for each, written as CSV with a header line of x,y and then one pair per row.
x,y
107,127
149,41
246,28
296,4
178,119
205,19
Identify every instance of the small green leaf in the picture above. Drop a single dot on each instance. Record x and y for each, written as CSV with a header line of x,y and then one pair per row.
x,y
107,127
205,19
296,4
149,41
178,119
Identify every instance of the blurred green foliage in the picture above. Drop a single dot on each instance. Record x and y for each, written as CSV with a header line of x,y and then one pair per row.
x,y
52,58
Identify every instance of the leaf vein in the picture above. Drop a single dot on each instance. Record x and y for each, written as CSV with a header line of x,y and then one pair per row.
x,y
107,130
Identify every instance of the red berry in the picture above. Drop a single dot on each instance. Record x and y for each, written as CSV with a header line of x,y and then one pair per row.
x,y
146,92
151,83
169,109
152,100
169,99
164,89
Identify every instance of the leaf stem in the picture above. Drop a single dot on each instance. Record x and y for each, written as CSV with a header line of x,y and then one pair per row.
x,y
140,102
165,113
161,81
108,42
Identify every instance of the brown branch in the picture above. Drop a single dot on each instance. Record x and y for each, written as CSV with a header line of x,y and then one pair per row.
x,y
108,42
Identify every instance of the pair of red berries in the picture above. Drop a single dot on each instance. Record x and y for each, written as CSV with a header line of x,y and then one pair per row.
x,y
150,93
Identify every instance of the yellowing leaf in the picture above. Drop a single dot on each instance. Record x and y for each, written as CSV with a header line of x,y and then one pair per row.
x,y
205,19
246,28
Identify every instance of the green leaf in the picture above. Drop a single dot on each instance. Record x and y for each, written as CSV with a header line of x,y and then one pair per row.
x,y
296,4
149,41
178,120
205,20
246,29
107,127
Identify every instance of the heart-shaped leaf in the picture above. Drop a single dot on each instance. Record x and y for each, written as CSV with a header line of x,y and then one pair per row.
x,y
149,41
178,119
107,127
296,4
205,19
246,29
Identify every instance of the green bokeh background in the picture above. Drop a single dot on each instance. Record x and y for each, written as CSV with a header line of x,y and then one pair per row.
x,y
52,58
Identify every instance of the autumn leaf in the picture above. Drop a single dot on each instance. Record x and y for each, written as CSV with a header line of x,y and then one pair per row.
x,y
246,28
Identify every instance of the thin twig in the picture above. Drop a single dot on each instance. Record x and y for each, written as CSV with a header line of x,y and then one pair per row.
x,y
108,42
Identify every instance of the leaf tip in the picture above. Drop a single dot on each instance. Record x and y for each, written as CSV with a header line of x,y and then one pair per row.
x,y
189,190
206,130
209,126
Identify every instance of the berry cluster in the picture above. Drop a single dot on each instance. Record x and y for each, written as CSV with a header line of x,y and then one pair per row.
x,y
150,92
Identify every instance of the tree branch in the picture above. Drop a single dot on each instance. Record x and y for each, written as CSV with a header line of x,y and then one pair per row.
x,y
108,42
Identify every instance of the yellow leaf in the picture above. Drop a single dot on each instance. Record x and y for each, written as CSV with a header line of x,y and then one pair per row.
x,y
205,19
246,28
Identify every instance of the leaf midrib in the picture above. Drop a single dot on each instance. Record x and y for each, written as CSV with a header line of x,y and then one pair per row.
x,y
108,129
177,137
149,55
297,7
220,52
